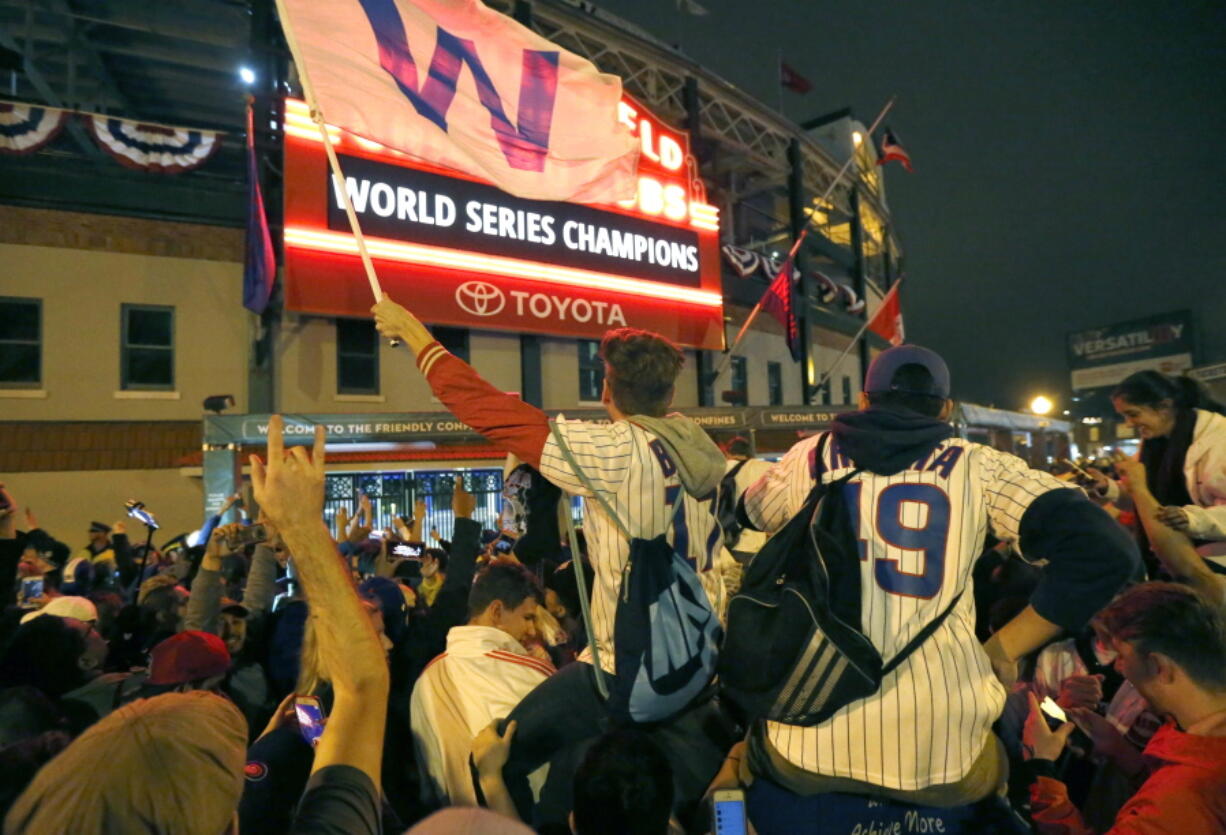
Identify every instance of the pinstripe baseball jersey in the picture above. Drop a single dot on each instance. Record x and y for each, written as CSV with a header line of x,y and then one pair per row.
x,y
634,473
920,531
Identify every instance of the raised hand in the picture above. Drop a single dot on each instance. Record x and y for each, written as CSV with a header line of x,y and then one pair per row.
x,y
290,486
463,503
396,322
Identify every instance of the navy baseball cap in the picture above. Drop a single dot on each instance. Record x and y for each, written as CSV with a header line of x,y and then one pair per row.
x,y
882,370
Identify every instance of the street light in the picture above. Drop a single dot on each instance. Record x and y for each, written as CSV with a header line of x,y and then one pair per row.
x,y
1041,405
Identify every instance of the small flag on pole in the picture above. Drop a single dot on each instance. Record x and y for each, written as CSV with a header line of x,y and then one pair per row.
x,y
260,264
887,321
892,149
793,80
778,302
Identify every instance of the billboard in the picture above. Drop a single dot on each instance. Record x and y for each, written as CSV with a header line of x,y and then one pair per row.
x,y
459,251
1102,357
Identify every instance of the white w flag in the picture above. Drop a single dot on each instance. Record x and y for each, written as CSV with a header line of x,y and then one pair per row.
x,y
457,84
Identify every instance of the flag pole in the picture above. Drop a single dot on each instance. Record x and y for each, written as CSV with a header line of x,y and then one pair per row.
x,y
338,177
779,78
753,314
855,339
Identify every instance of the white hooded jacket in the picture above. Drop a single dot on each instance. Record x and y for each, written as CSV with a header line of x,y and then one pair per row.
x,y
483,675
1204,470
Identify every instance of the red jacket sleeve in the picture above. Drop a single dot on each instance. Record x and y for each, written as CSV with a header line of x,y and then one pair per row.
x,y
1052,811
506,421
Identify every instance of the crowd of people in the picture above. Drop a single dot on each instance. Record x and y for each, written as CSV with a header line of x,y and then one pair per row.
x,y
1051,646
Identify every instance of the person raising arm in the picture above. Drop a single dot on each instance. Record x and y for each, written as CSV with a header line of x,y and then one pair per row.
x,y
344,785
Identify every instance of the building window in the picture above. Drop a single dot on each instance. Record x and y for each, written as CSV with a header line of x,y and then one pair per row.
x,y
774,383
454,340
846,389
357,357
148,347
21,342
825,390
740,379
591,371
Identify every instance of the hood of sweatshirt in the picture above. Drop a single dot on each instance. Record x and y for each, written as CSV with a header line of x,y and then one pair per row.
x,y
471,641
886,441
1195,749
700,464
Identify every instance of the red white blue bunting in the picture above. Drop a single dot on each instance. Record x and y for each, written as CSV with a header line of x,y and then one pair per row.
x,y
149,147
746,262
827,290
24,128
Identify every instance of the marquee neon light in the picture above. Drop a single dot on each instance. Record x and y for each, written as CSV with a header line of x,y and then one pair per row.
x,y
653,197
328,241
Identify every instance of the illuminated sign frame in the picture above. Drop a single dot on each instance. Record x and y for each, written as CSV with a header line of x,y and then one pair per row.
x,y
649,262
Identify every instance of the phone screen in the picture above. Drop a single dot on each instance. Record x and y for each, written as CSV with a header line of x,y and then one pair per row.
x,y
31,589
1055,714
730,817
310,719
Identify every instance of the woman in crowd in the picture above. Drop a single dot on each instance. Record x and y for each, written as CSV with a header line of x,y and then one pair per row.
x,y
1183,448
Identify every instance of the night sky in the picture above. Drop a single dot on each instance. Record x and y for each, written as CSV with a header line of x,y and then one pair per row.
x,y
1070,159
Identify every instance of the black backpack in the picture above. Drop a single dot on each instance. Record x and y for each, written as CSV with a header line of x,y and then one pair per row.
x,y
793,650
725,507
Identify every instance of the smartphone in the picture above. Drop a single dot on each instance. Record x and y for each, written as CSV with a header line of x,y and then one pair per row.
x,y
407,550
32,588
728,812
1053,713
310,715
247,535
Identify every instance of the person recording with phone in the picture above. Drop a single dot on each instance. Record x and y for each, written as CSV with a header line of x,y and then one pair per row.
x,y
1183,448
1170,643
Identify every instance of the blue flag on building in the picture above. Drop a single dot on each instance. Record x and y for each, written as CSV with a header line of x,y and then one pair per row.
x,y
778,302
260,264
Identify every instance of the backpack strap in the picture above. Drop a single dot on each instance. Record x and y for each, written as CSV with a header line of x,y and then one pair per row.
x,y
585,606
926,632
584,480
923,635
819,464
596,494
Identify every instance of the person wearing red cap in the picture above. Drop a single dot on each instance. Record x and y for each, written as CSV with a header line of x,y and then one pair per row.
x,y
190,660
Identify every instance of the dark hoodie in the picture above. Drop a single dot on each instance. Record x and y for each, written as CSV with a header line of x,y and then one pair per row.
x,y
886,441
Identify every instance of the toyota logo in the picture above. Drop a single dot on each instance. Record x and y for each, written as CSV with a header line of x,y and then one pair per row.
x,y
480,298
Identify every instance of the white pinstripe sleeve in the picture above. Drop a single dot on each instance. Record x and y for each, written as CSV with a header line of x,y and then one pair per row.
x,y
769,502
603,451
1009,486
